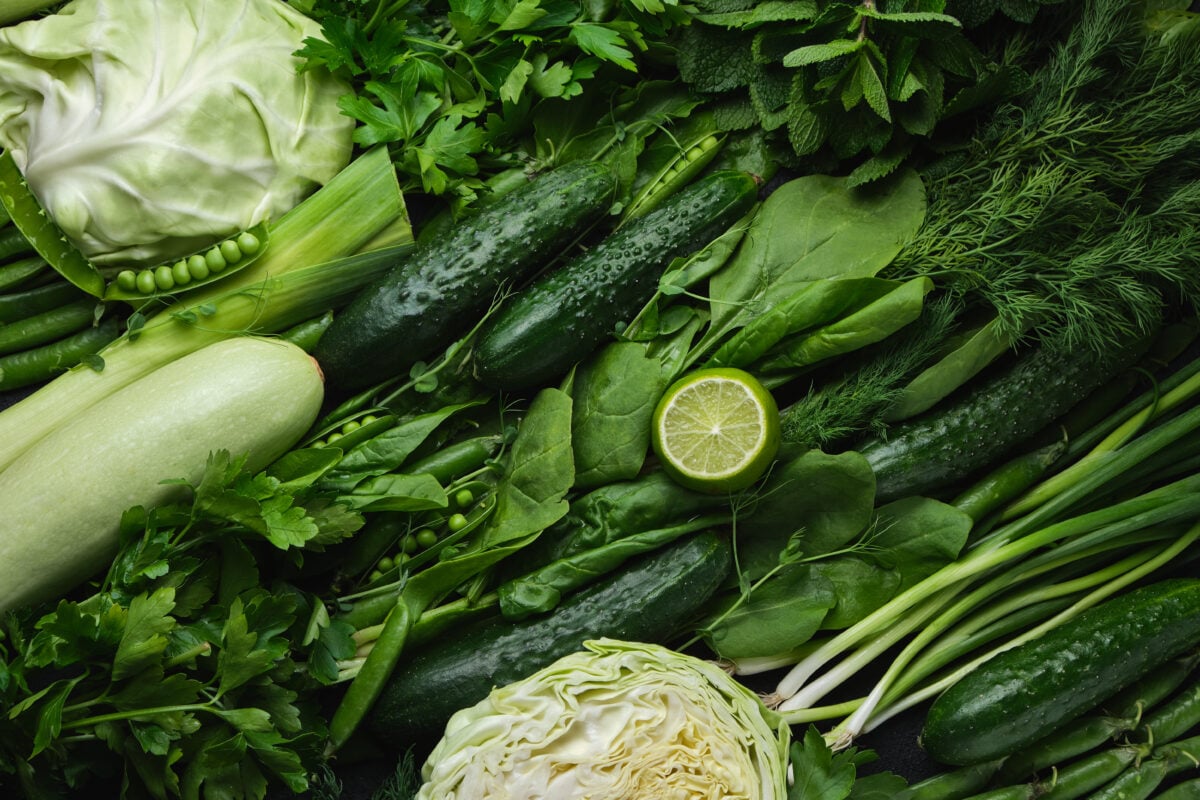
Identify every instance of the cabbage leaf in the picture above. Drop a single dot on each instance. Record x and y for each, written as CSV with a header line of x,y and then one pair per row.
x,y
615,720
150,129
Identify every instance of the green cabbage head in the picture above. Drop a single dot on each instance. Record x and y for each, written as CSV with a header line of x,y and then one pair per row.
x,y
615,721
149,129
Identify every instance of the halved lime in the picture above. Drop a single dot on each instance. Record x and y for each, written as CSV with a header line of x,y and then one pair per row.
x,y
716,430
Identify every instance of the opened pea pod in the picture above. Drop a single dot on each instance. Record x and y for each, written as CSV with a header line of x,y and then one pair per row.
x,y
198,269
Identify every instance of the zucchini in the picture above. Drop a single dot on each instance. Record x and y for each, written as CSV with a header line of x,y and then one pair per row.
x,y
1033,689
985,421
538,335
440,290
650,600
63,498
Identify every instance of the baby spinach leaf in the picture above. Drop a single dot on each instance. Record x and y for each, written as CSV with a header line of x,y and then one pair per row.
x,y
918,536
541,470
390,449
614,397
872,323
969,353
829,497
782,612
813,304
812,228
862,585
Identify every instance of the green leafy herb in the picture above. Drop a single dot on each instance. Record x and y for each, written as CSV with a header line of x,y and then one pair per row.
x,y
855,83
451,87
181,666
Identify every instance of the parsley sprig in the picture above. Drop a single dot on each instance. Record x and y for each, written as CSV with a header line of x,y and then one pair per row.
x,y
450,87
182,673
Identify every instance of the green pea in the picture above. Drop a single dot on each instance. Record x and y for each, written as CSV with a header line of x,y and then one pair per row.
x,y
695,153
426,538
216,262
164,278
198,267
456,522
181,274
409,544
464,498
351,426
709,142
127,280
369,418
385,564
230,251
375,575
248,243
333,437
145,282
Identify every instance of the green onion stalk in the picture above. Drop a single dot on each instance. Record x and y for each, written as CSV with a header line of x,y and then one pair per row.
x,y
1120,511
319,254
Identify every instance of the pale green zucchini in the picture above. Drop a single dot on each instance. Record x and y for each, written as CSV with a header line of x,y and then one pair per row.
x,y
62,499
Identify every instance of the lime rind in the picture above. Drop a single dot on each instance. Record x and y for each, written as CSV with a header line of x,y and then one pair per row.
x,y
716,430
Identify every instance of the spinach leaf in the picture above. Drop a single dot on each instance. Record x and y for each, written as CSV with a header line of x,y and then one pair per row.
x,y
614,397
782,612
818,501
809,229
539,591
872,323
967,355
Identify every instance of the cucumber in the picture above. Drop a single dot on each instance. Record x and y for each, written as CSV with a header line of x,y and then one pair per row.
x,y
441,290
649,601
1033,689
538,335
985,421
63,498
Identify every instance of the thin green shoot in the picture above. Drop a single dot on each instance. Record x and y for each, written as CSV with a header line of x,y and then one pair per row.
x,y
863,720
1184,387
1108,581
1181,501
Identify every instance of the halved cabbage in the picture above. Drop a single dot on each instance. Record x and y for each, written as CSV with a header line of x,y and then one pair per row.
x,y
617,720
149,129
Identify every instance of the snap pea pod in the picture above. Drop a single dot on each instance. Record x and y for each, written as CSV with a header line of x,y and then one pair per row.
x,y
305,335
12,243
1141,780
15,273
24,304
39,364
955,784
1186,790
1087,733
46,327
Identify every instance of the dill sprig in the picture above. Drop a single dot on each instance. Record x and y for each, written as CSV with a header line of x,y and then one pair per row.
x,y
857,401
1073,210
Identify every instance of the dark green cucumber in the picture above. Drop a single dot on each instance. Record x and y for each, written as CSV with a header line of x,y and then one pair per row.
x,y
538,335
649,601
442,289
986,421
1031,690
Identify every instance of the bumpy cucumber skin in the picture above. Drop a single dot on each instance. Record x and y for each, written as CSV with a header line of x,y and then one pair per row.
x,y
647,601
1031,690
440,291
975,428
537,336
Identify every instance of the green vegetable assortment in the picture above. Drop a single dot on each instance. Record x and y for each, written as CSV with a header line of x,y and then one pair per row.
x,y
333,339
